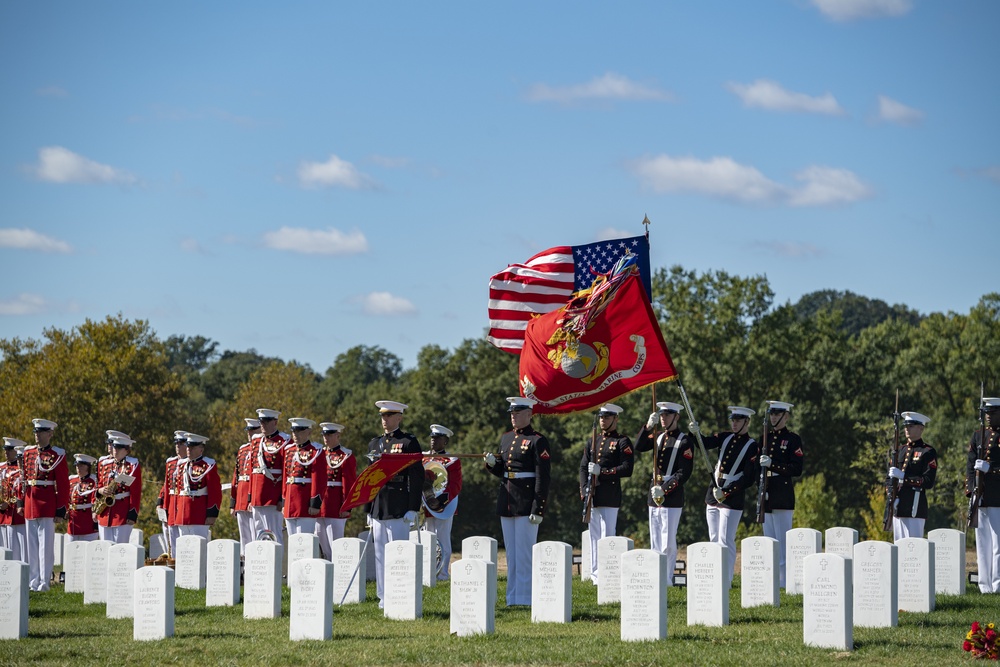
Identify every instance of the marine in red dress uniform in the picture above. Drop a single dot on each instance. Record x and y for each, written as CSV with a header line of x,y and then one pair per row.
x,y
116,521
12,530
200,493
80,523
266,475
168,493
46,491
239,490
303,478
341,473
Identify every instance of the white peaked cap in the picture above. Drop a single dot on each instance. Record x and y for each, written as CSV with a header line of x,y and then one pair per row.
x,y
85,458
195,439
520,403
117,434
11,443
915,417
667,406
437,429
779,405
331,427
991,402
301,422
120,441
180,435
43,423
610,409
267,413
740,410
251,422
390,406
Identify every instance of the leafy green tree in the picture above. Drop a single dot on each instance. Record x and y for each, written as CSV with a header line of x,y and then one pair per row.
x,y
857,312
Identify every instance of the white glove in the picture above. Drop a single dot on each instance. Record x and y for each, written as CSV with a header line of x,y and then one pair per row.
x,y
490,459
982,465
654,417
368,521
719,495
535,519
765,461
410,518
593,469
161,514
657,492
694,428
896,473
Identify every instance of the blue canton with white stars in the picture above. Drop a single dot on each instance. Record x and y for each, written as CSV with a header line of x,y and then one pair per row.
x,y
600,257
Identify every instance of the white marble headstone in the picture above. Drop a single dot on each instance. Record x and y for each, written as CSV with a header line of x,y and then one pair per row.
x,y
826,603
479,547
123,561
13,599
949,561
799,543
551,582
369,555
473,606
586,569
312,599
157,545
876,585
6,554
644,599
58,549
302,545
262,579
347,576
916,574
138,538
192,559
95,578
154,603
759,575
75,566
404,594
840,540
428,542
707,592
609,568
222,581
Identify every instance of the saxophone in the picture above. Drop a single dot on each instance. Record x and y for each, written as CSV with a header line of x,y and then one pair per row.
x,y
102,502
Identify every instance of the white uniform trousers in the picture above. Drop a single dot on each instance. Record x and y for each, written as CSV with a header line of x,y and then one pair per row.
x,y
776,524
200,531
329,530
302,524
663,523
16,539
41,534
267,517
81,538
244,522
722,525
519,537
441,528
988,549
173,532
907,527
383,532
116,534
602,524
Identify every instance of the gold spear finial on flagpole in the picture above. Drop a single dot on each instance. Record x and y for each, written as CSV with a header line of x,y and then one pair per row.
x,y
647,223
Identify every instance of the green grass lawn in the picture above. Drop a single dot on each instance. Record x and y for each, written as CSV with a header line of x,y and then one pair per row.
x,y
64,631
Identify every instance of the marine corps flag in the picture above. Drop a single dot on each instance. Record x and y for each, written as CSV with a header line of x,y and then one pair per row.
x,y
604,343
377,475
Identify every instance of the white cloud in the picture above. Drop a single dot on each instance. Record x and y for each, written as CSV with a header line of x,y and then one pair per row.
x,y
51,91
23,304
334,173
848,10
317,241
385,304
609,233
896,112
765,94
29,239
60,165
724,178
611,86
790,249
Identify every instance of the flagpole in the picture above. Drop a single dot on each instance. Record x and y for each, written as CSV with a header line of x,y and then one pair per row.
x,y
697,435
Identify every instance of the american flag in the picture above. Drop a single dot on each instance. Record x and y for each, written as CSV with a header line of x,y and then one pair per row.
x,y
546,281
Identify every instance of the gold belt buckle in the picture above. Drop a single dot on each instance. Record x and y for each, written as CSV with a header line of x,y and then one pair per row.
x,y
658,479
511,475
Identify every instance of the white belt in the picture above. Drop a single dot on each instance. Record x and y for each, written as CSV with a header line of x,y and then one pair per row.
x,y
334,483
273,471
243,478
518,475
729,479
300,480
41,482
196,492
85,506
119,496
172,492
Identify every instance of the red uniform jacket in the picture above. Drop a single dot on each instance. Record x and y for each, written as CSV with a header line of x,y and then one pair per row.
x,y
268,457
454,467
46,489
10,488
303,479
341,472
126,507
200,493
171,484
79,516
240,490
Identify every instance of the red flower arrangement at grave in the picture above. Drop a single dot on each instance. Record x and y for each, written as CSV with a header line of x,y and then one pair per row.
x,y
981,641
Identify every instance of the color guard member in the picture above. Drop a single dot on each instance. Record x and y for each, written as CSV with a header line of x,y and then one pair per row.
x,y
200,495
441,509
341,472
265,476
12,531
239,491
303,479
783,459
524,467
987,462
914,471
119,476
614,460
81,526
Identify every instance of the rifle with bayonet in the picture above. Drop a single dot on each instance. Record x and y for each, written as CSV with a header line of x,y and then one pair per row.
x,y
892,486
764,477
977,491
588,504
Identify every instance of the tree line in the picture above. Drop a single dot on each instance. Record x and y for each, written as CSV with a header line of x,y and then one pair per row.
x,y
839,357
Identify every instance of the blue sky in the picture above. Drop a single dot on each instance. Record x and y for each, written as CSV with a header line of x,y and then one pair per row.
x,y
304,177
